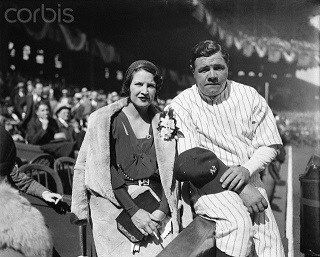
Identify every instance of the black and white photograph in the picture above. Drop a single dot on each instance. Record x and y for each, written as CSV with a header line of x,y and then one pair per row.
x,y
168,128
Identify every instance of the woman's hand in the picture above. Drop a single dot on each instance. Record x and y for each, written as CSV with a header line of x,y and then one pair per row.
x,y
158,216
142,220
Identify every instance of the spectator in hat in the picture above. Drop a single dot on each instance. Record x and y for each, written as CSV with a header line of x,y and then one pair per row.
x,y
235,122
127,129
63,120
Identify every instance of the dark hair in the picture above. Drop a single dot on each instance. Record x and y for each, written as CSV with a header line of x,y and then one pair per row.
x,y
42,102
205,49
136,66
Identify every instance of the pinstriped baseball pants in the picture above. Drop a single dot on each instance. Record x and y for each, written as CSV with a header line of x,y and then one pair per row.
x,y
235,229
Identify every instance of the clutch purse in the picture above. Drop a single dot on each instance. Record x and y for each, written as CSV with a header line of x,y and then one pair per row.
x,y
145,201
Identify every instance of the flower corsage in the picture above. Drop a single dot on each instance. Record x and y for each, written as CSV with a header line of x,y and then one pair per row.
x,y
168,126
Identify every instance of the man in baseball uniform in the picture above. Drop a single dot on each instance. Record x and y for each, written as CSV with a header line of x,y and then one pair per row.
x,y
233,121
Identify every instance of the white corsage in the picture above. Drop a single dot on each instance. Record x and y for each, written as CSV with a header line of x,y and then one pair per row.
x,y
167,126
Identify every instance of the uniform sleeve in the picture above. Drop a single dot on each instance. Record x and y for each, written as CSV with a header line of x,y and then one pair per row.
x,y
266,138
186,126
265,129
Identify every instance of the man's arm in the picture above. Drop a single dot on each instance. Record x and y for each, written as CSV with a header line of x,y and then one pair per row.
x,y
26,184
265,142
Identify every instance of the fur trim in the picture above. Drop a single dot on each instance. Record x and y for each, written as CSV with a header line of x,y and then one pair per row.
x,y
92,169
22,226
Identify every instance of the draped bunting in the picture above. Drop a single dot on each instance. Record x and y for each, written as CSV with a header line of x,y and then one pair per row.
x,y
76,41
38,35
305,53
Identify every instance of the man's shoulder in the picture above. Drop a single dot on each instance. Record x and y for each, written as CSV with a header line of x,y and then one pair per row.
x,y
242,87
185,94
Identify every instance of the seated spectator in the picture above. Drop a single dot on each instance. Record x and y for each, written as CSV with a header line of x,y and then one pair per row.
x,y
23,232
42,128
63,117
79,133
19,99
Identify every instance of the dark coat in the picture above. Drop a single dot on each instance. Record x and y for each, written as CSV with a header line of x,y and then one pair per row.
x,y
68,131
36,135
28,101
19,102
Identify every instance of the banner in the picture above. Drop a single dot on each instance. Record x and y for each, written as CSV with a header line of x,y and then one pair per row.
x,y
305,53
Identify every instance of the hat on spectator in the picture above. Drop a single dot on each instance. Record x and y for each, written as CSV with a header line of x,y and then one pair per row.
x,y
20,84
202,168
8,153
59,108
78,95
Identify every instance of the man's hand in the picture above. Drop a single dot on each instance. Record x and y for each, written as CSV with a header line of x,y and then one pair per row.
x,y
51,197
253,199
236,177
142,220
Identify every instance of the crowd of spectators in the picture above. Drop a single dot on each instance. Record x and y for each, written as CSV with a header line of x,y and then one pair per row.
x,y
68,110
39,113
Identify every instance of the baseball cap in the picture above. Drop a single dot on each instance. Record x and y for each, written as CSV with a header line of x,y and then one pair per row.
x,y
202,168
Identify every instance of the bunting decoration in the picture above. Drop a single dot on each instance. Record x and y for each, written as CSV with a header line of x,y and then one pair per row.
x,y
306,54
75,40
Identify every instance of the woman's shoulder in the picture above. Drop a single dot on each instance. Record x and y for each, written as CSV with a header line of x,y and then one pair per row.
x,y
109,110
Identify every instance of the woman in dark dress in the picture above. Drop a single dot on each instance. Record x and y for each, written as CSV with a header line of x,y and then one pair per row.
x,y
109,177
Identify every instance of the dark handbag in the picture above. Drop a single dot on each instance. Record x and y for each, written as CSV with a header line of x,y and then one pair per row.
x,y
145,201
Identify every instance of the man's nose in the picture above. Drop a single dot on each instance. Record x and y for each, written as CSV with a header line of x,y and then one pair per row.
x,y
212,77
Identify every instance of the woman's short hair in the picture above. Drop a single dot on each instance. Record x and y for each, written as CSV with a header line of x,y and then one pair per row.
x,y
136,66
42,102
205,49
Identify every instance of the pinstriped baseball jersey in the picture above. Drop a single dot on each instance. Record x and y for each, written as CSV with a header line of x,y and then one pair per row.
x,y
233,126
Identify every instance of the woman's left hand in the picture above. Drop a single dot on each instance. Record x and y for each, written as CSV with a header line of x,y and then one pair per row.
x,y
142,220
158,216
